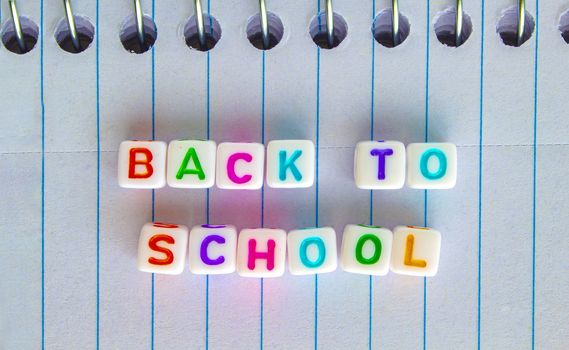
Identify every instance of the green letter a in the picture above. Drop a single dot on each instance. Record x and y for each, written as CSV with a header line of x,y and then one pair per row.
x,y
191,155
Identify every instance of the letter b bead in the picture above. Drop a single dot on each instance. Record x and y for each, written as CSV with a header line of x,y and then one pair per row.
x,y
142,164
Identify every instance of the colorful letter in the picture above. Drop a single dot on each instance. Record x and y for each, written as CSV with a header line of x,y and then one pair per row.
x,y
269,255
360,246
409,261
285,164
381,153
183,170
321,252
203,250
433,152
231,167
133,162
153,244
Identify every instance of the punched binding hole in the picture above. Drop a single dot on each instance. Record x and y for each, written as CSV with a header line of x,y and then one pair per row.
x,y
445,28
30,32
130,38
85,34
212,33
382,29
508,27
255,32
319,33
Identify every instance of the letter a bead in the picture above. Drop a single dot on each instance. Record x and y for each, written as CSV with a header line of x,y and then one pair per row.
x,y
431,165
261,252
213,249
366,249
142,164
380,165
191,164
162,248
415,251
290,163
312,250
240,166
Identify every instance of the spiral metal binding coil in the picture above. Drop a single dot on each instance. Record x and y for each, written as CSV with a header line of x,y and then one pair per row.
x,y
458,31
395,21
139,22
264,23
521,21
71,25
200,23
17,25
330,23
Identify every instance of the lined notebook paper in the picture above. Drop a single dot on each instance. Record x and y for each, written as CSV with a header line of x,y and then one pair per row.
x,y
69,233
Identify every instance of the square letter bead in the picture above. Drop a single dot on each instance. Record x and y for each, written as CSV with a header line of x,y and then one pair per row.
x,y
290,163
380,165
240,166
366,249
142,164
191,164
162,248
261,252
415,251
213,249
312,250
431,165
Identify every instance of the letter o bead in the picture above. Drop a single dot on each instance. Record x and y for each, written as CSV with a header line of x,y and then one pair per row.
x,y
431,165
162,248
366,249
312,250
213,249
142,164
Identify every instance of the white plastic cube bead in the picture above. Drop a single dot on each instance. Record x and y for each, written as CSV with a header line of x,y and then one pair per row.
x,y
261,252
162,248
312,250
290,163
142,164
415,251
213,249
431,165
240,166
379,165
366,249
191,163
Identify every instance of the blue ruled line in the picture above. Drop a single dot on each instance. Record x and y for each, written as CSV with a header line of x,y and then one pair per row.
x,y
534,189
42,99
316,206
153,97
371,133
262,281
208,115
480,173
98,174
426,140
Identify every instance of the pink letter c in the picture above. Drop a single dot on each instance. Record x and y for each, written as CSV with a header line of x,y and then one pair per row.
x,y
231,167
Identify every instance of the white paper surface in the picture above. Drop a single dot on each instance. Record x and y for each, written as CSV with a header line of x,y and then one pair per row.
x,y
69,233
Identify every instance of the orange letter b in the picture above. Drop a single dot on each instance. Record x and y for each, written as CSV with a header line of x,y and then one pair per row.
x,y
133,162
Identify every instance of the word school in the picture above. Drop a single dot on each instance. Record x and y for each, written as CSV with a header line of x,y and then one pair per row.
x,y
216,249
289,164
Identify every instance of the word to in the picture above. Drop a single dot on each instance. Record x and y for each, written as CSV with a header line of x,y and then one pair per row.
x,y
216,249
289,164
